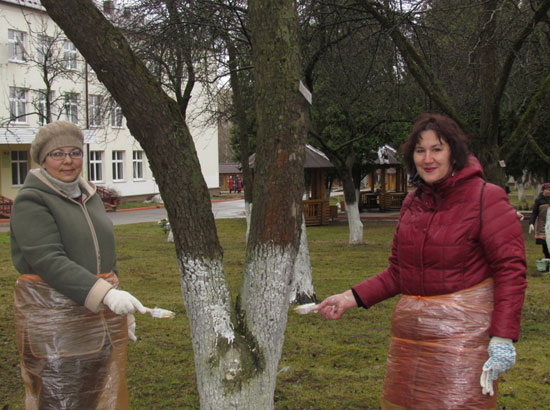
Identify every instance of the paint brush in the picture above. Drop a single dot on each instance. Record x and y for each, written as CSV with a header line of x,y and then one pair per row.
x,y
158,313
307,308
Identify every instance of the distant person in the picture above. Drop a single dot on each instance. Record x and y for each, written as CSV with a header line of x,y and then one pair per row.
x,y
230,182
538,218
239,185
458,260
71,321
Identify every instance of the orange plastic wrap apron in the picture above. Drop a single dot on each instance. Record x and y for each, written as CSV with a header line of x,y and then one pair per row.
x,y
71,358
438,348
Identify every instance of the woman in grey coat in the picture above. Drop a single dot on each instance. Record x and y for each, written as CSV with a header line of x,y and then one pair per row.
x,y
71,320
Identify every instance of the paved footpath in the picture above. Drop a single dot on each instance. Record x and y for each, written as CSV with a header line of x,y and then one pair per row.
x,y
220,209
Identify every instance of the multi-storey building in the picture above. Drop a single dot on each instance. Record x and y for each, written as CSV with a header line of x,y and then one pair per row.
x,y
43,78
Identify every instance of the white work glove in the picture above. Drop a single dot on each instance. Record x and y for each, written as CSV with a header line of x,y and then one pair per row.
x,y
131,327
122,303
531,228
502,356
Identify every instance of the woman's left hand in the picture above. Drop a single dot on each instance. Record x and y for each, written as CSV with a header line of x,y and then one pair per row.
x,y
502,356
334,306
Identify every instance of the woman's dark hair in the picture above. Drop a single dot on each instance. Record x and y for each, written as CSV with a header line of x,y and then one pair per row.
x,y
446,129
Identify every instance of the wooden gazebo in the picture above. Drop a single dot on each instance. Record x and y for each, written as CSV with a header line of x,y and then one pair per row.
x,y
316,207
393,182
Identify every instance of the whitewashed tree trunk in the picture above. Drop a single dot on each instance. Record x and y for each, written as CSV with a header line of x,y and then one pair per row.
x,y
302,290
354,222
236,371
521,191
207,303
248,213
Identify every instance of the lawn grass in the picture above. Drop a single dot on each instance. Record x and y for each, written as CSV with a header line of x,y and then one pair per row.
x,y
325,365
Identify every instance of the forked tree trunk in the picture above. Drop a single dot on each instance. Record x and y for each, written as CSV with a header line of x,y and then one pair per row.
x,y
236,348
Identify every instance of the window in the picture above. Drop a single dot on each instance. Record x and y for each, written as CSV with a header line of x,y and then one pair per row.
x,y
69,55
137,161
71,107
95,172
44,49
19,167
18,105
118,165
116,115
94,111
44,103
16,41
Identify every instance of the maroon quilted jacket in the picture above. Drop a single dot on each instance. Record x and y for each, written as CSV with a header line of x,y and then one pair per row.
x,y
442,244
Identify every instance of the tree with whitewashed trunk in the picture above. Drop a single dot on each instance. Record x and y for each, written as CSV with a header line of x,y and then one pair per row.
x,y
351,196
236,347
344,160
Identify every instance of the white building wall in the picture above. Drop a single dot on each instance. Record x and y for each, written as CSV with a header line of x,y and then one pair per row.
x,y
106,139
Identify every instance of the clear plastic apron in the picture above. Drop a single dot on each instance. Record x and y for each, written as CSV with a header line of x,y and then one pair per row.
x,y
71,358
438,348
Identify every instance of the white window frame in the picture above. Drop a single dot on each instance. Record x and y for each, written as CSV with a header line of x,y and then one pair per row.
x,y
70,55
18,105
118,166
95,166
19,167
137,165
16,41
42,119
94,110
116,115
71,107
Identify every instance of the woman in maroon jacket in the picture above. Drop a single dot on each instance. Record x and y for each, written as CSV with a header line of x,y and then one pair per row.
x,y
458,260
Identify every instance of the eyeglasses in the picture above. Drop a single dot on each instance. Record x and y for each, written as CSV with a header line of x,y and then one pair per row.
x,y
61,155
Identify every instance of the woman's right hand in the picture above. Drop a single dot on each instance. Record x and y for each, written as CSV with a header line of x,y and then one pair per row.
x,y
531,228
334,306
